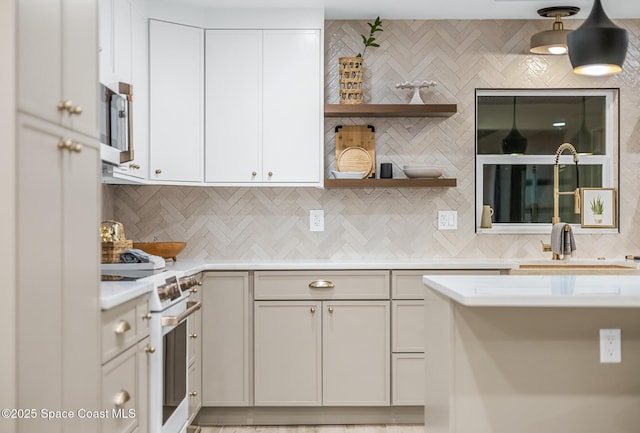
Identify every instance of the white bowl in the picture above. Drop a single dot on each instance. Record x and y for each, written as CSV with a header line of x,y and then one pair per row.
x,y
429,171
348,174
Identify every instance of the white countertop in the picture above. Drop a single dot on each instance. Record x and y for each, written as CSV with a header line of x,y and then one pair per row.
x,y
114,293
608,291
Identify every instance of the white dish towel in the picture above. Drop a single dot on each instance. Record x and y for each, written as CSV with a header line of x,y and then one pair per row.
x,y
562,241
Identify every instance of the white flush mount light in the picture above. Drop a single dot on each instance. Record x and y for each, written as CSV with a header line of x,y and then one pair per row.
x,y
553,41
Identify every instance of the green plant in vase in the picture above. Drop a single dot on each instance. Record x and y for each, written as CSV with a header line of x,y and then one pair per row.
x,y
597,208
352,68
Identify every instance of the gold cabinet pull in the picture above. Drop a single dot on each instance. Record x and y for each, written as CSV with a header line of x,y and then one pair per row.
x,y
194,290
321,284
146,316
270,173
77,110
122,327
330,309
313,310
150,349
158,171
76,148
254,174
133,166
193,336
121,398
193,394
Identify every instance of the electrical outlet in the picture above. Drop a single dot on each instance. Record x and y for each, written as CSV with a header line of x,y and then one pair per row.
x,y
316,220
610,346
447,220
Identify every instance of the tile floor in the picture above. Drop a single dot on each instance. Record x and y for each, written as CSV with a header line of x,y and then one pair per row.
x,y
390,428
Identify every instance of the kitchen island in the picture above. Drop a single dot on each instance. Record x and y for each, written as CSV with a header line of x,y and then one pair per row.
x,y
522,353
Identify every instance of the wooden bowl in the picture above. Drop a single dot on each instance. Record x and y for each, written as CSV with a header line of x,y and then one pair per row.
x,y
166,250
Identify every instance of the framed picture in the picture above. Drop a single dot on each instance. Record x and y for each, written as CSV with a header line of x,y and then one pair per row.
x,y
598,207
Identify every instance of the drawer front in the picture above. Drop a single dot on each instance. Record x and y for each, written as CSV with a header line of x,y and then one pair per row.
x,y
408,379
120,329
408,326
321,285
120,393
409,285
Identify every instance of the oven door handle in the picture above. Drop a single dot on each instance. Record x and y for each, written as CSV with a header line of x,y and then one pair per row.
x,y
192,307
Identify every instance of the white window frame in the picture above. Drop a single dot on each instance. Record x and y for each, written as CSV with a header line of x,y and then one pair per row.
x,y
608,161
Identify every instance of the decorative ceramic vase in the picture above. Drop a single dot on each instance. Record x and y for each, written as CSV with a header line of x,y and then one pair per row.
x,y
351,75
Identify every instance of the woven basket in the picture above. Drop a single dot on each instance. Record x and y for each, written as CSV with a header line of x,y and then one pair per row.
x,y
111,250
351,74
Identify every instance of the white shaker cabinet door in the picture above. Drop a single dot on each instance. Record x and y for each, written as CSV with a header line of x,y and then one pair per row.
x,y
287,353
58,62
356,353
233,100
176,82
292,106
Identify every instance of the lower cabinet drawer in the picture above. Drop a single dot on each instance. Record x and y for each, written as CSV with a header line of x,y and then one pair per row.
x,y
120,393
407,388
304,285
123,326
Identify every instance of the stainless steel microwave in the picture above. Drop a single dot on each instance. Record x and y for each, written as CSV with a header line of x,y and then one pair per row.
x,y
116,124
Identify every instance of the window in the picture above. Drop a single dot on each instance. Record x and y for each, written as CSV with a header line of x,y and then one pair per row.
x,y
517,135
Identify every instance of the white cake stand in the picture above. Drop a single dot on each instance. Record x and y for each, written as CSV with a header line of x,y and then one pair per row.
x,y
415,86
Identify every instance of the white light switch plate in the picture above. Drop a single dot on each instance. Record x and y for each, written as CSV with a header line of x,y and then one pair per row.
x,y
447,220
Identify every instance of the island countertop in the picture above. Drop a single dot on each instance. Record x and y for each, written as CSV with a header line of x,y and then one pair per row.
x,y
608,291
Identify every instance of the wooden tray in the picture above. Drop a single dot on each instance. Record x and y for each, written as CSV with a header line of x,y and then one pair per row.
x,y
362,136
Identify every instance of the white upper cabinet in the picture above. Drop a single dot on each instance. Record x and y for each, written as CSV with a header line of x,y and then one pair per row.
x,y
58,62
176,85
264,107
234,106
292,106
115,36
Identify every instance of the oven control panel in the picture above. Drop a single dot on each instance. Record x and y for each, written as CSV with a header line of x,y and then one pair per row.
x,y
170,290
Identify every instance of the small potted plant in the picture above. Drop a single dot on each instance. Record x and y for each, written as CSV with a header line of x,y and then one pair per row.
x,y
597,208
351,68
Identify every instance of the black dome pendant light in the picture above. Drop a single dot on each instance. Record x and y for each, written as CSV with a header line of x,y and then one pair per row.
x,y
598,47
514,142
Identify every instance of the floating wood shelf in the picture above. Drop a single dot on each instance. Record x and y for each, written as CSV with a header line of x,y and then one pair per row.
x,y
389,110
390,183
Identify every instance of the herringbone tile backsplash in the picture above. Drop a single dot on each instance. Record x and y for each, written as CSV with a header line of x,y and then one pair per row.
x,y
273,223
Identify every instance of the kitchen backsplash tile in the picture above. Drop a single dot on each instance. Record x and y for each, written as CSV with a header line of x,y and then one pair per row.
x,y
273,223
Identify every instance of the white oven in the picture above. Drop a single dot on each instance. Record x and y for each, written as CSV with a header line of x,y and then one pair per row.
x,y
170,308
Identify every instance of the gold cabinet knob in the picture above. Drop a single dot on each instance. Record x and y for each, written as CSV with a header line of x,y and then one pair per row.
x,y
121,398
122,327
330,309
150,349
77,110
133,166
146,316
270,173
194,290
199,283
193,394
65,144
193,336
67,105
254,174
77,148
313,310
158,171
